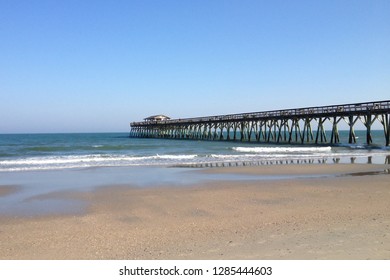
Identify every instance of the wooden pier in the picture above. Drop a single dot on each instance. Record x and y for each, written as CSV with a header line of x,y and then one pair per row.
x,y
290,126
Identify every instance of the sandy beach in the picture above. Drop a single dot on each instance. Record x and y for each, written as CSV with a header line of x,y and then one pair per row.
x,y
339,211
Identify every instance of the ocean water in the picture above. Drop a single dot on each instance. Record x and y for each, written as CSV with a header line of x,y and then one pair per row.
x,y
33,152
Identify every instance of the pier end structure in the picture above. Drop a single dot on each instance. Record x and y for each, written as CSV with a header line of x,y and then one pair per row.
x,y
291,126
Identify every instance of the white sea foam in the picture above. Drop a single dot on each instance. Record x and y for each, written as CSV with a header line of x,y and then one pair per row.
x,y
177,157
229,157
282,149
94,160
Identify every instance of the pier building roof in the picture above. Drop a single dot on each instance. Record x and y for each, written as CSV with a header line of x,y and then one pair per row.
x,y
157,118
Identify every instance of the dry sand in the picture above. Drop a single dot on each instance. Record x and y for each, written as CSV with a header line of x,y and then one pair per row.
x,y
329,217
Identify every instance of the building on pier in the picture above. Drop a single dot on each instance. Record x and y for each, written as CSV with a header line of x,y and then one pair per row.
x,y
291,126
157,118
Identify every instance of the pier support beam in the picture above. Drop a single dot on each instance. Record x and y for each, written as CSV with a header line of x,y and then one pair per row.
x,y
368,121
335,137
321,131
385,121
351,122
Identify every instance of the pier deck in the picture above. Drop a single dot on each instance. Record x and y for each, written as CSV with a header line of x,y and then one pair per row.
x,y
300,125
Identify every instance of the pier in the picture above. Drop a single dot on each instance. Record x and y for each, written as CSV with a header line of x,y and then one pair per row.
x,y
311,125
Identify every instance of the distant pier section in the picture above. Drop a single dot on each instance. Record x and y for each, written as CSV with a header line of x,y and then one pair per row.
x,y
311,125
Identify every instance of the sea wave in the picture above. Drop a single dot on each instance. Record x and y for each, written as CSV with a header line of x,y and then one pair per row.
x,y
90,160
282,149
177,157
73,148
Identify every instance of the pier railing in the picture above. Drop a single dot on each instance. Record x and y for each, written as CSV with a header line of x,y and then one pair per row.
x,y
271,126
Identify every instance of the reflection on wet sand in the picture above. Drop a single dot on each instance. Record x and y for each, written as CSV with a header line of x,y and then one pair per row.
x,y
335,160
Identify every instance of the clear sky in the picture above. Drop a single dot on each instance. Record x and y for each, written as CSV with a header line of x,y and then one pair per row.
x,y
94,66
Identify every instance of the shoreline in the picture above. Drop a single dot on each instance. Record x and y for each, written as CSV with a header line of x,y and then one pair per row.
x,y
337,216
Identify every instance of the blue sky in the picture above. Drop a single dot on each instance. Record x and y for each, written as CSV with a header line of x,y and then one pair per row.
x,y
94,66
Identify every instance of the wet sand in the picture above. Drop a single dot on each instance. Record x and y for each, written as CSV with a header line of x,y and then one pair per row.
x,y
7,190
335,216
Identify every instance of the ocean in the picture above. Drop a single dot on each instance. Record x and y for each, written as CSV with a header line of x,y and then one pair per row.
x,y
34,152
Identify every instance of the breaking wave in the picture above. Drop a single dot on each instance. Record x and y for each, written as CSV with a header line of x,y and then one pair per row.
x,y
282,149
94,160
